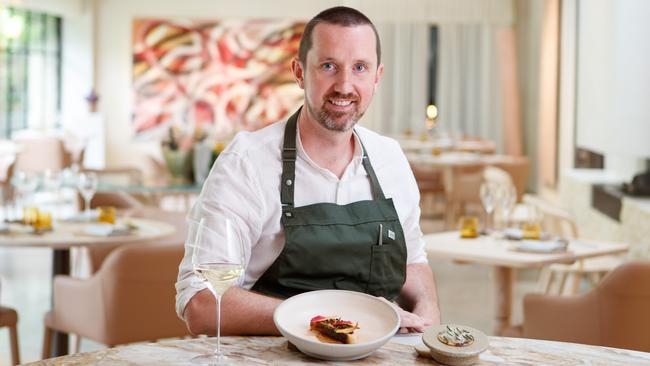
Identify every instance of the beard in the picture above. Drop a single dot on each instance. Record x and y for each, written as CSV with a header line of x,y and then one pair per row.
x,y
336,120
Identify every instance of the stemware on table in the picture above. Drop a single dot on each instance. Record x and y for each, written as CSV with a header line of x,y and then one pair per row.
x,y
488,194
507,198
218,259
87,185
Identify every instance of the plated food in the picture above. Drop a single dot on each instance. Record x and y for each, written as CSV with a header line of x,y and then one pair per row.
x,y
331,329
374,321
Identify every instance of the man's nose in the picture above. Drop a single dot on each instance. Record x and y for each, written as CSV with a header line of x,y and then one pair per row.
x,y
343,83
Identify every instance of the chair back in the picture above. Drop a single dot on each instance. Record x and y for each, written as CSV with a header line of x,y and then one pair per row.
x,y
139,294
463,184
555,220
517,168
428,178
97,254
613,314
40,154
623,303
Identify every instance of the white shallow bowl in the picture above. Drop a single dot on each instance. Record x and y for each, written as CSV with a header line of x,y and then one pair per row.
x,y
378,322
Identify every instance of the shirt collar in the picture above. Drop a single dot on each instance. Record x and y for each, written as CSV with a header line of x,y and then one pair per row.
x,y
355,164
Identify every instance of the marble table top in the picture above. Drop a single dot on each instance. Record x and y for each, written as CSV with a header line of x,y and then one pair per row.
x,y
275,351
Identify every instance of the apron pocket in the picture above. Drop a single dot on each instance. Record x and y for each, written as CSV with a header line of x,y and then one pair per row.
x,y
386,279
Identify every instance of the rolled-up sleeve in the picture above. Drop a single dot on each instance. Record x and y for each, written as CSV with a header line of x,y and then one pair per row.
x,y
230,191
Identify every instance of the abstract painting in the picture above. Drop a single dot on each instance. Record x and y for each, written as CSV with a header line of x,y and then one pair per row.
x,y
218,76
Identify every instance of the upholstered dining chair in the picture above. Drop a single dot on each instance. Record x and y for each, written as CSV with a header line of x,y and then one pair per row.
x,y
9,319
613,314
517,168
429,180
129,299
41,153
462,186
97,254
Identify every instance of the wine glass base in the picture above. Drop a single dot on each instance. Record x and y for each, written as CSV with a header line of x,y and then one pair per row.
x,y
211,359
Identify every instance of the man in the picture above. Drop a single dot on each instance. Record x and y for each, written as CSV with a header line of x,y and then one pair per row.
x,y
308,196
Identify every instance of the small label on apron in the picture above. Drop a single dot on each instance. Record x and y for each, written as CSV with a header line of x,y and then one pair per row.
x,y
391,234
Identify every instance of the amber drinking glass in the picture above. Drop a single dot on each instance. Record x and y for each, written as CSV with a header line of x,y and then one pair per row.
x,y
468,226
106,214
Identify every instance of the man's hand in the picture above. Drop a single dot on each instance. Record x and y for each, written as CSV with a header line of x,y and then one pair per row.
x,y
409,322
419,295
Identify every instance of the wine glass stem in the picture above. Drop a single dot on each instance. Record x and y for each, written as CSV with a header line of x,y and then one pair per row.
x,y
86,207
218,352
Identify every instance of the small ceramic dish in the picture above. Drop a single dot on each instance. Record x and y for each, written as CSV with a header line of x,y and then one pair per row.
x,y
455,355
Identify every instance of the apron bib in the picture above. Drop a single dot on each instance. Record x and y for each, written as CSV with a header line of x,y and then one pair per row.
x,y
330,246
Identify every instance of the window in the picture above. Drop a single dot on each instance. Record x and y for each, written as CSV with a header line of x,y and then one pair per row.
x,y
30,70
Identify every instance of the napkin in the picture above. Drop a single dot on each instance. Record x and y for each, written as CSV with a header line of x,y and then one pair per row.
x,y
107,230
542,246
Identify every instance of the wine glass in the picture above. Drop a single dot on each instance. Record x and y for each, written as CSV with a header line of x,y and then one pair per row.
x,y
25,185
488,199
507,199
87,185
218,259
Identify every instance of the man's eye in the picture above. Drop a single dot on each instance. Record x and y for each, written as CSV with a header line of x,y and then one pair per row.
x,y
328,66
360,67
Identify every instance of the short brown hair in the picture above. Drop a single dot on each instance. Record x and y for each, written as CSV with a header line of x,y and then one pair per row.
x,y
338,15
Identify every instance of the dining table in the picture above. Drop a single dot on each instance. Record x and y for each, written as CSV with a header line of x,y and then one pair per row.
x,y
411,145
399,351
75,233
505,257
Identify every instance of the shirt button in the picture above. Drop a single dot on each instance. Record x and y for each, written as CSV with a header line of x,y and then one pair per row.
x,y
289,182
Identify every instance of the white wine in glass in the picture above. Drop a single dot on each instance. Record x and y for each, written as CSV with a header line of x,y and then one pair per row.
x,y
218,259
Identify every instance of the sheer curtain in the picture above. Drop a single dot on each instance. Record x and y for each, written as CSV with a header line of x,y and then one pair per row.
x,y
401,98
469,87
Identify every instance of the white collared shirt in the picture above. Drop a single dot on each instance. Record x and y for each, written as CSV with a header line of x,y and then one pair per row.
x,y
244,185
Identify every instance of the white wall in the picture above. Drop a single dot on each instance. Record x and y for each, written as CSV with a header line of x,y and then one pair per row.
x,y
613,85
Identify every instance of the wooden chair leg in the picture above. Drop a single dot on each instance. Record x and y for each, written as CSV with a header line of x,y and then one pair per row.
x,y
544,281
47,343
577,278
563,277
15,352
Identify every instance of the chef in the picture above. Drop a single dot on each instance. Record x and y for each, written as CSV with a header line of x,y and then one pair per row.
x,y
319,202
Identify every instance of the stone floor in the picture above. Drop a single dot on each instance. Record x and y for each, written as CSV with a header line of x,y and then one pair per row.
x,y
465,292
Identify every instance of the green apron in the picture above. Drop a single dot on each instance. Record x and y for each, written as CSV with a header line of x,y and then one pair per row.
x,y
330,246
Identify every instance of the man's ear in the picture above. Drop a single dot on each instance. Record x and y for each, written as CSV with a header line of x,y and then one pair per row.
x,y
298,72
380,72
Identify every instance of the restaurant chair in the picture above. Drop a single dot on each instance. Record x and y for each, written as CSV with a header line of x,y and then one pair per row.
x,y
129,299
119,200
462,186
517,168
40,154
430,185
558,222
9,319
613,314
97,254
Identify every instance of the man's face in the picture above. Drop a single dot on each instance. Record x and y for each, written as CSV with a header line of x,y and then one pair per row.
x,y
340,74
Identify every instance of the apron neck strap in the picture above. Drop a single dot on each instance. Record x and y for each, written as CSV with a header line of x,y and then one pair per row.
x,y
289,165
